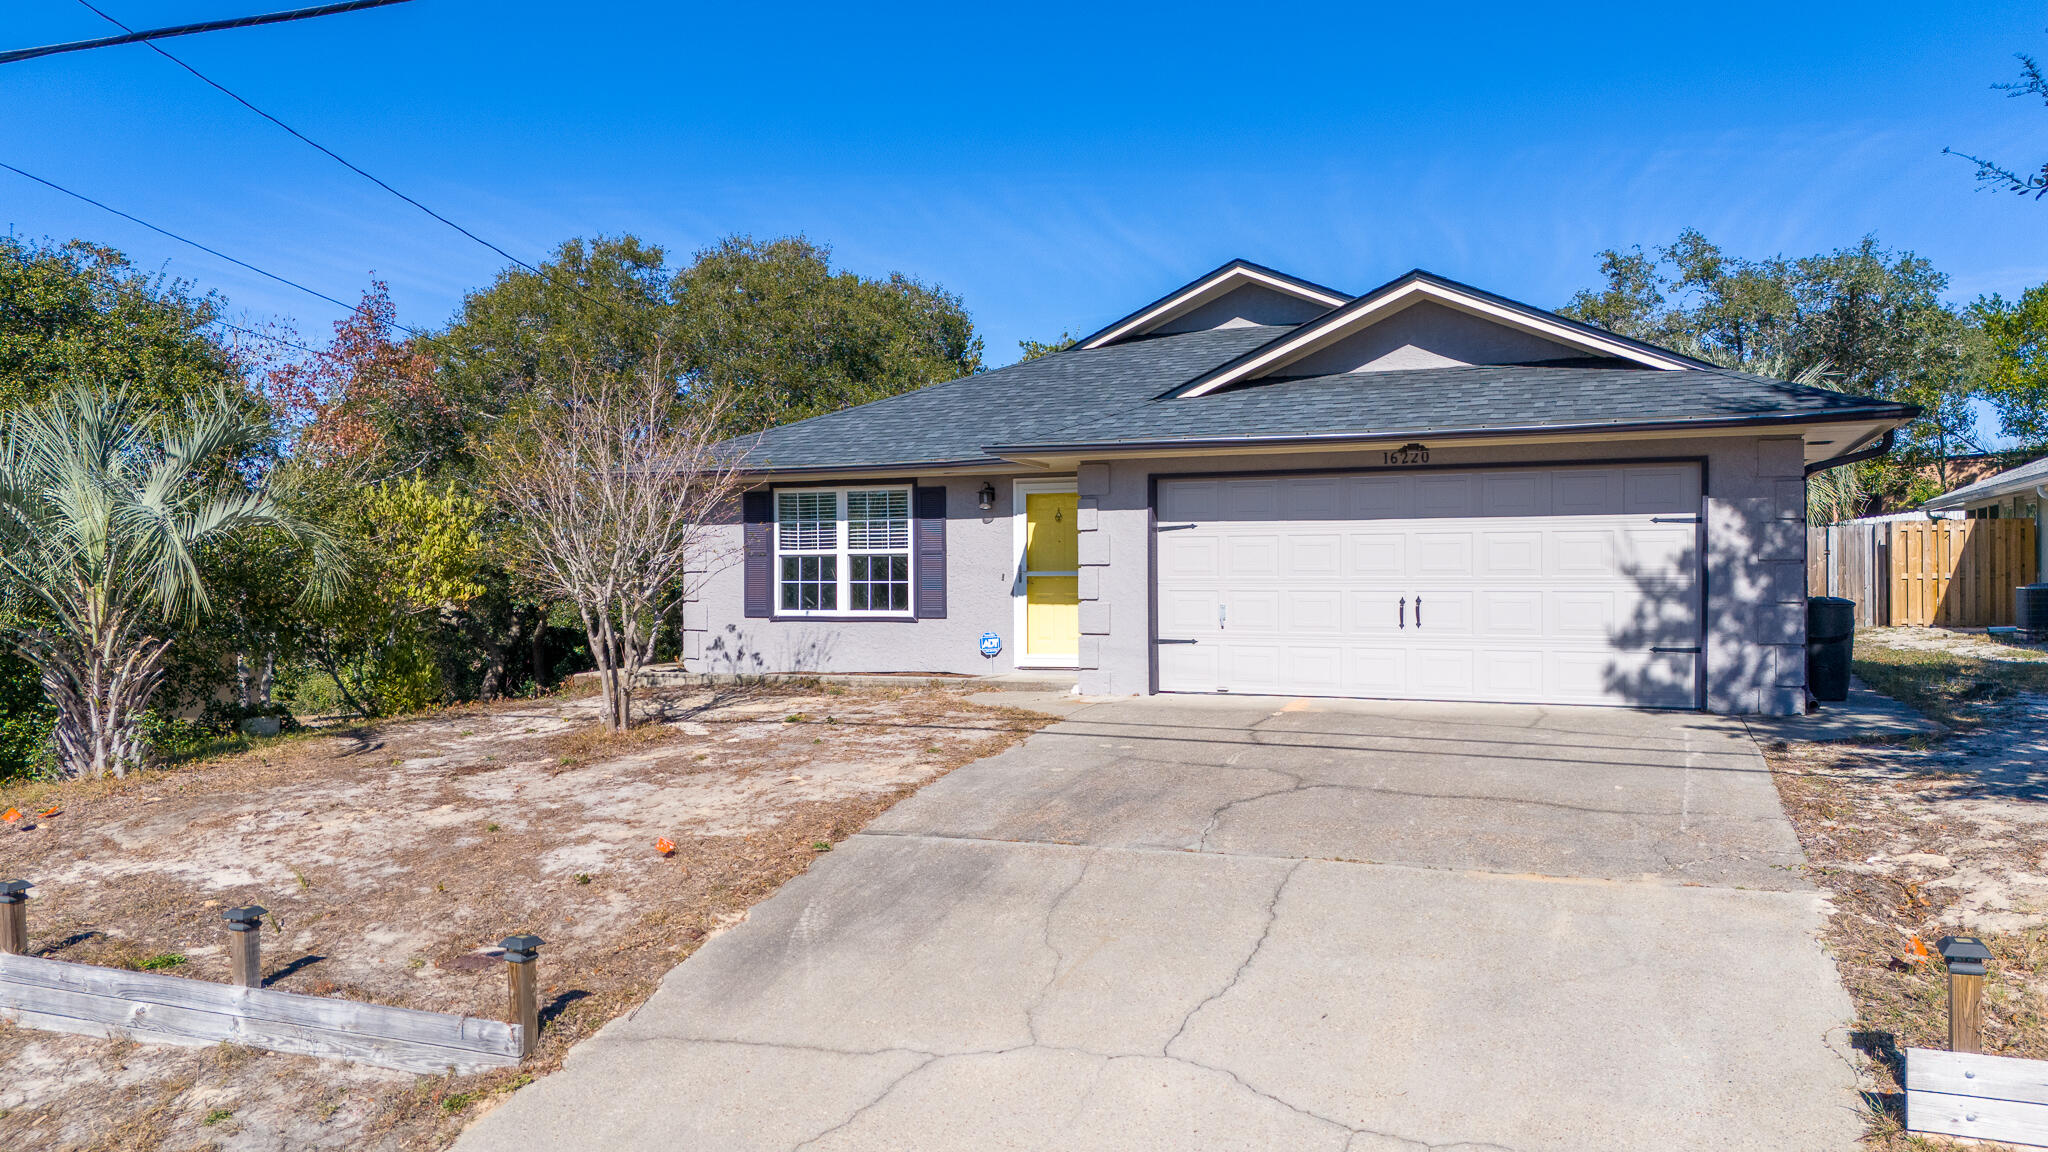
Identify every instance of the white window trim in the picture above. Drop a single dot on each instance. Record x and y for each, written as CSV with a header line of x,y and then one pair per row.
x,y
1020,533
843,564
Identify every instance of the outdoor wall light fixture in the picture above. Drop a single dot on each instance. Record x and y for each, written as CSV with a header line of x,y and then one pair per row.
x,y
988,496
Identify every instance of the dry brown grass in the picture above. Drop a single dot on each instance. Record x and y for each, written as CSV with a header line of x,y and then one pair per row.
x,y
390,853
1916,841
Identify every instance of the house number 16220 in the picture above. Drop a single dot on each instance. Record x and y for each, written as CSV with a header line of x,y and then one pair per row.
x,y
1407,454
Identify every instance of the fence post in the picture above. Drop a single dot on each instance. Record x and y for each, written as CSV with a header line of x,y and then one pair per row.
x,y
1965,956
245,945
14,916
522,985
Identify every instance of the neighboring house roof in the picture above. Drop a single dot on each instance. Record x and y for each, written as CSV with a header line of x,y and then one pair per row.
x,y
1134,390
2006,483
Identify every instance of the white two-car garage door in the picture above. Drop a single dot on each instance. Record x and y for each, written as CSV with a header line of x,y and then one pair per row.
x,y
1575,585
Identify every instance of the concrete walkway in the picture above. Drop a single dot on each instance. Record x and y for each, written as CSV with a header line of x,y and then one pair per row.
x,y
1192,923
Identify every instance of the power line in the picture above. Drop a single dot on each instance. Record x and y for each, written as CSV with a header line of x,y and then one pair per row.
x,y
309,141
188,241
352,309
132,36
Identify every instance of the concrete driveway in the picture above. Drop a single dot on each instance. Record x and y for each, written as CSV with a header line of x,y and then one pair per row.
x,y
1213,923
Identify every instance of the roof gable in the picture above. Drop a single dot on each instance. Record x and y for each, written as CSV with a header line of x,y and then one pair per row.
x,y
1421,320
1238,294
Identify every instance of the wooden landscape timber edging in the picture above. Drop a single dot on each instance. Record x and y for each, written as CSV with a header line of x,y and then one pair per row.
x,y
61,996
1983,1097
1944,573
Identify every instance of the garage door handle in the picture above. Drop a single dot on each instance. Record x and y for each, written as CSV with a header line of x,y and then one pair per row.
x,y
1404,611
1165,640
1674,519
1693,648
1418,611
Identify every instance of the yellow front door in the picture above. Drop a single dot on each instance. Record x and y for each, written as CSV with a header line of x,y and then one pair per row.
x,y
1052,562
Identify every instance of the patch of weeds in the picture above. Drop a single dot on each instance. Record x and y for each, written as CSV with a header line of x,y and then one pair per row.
x,y
821,846
305,885
583,877
797,718
456,1101
1956,690
216,1116
492,828
161,961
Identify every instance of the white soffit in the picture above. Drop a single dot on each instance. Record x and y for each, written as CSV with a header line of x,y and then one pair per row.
x,y
1214,286
1363,313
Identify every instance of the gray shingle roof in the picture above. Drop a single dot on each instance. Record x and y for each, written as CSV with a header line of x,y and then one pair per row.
x,y
2022,478
1112,397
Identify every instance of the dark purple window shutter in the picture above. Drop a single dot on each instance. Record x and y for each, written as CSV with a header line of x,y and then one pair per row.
x,y
929,505
758,510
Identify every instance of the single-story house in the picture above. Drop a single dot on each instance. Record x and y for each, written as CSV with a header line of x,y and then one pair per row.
x,y
2015,494
1260,485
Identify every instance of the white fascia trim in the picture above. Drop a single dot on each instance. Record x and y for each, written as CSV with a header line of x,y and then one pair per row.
x,y
1292,348
1201,293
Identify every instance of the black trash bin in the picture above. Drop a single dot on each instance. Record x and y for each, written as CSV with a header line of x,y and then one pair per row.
x,y
1830,634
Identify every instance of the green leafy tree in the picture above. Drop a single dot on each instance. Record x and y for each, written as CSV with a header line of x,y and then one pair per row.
x,y
776,334
2016,374
1870,319
417,558
1033,349
79,313
104,506
1995,175
602,305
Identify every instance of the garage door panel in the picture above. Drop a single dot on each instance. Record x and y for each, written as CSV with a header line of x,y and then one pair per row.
x,y
1453,495
1445,673
1442,613
1314,670
1313,499
1377,612
1253,557
1375,671
1667,491
1251,500
1541,584
1184,612
1253,668
1512,613
1314,557
1189,500
1188,667
1190,556
1314,612
1509,553
1443,555
1377,555
1379,497
1250,610
1524,493
1511,675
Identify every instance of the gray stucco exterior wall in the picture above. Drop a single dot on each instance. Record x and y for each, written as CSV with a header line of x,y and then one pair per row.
x,y
1755,627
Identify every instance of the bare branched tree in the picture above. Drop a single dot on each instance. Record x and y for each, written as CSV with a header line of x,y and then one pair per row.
x,y
614,487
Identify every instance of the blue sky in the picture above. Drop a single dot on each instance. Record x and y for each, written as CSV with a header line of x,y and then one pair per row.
x,y
1055,165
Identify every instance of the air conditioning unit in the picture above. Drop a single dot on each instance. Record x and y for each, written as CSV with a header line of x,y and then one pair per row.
x,y
2030,610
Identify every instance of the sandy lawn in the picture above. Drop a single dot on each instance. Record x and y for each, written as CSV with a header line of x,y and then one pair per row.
x,y
393,856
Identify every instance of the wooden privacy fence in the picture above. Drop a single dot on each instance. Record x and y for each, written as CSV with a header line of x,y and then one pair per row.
x,y
62,996
1946,573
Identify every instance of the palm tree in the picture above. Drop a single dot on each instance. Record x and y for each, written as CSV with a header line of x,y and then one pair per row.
x,y
104,506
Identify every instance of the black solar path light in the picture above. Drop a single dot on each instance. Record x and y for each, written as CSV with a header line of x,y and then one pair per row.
x,y
245,945
522,985
1965,956
14,916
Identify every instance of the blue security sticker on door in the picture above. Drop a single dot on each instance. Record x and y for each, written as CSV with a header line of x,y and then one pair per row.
x,y
991,645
